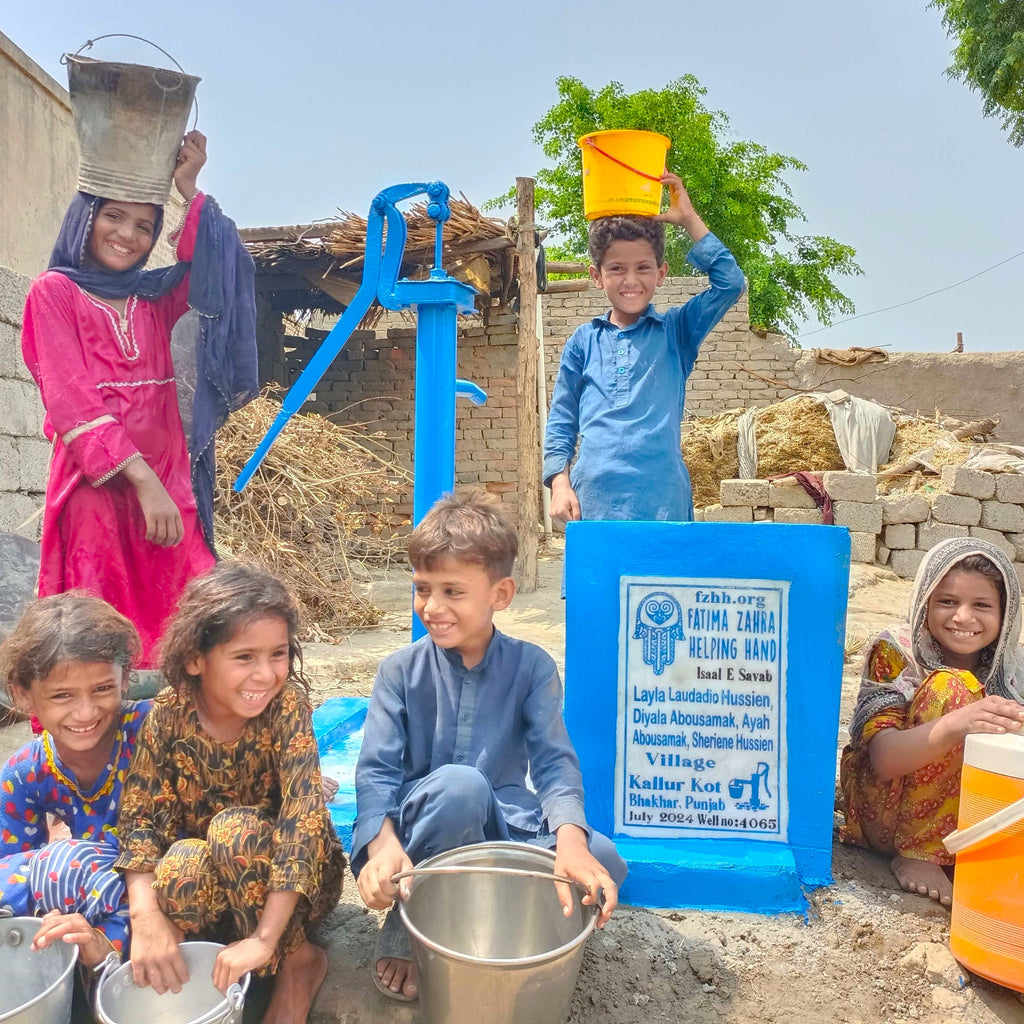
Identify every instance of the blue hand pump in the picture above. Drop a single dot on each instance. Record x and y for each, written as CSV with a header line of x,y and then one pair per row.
x,y
437,302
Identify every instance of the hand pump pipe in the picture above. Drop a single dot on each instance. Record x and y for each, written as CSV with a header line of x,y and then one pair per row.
x,y
437,302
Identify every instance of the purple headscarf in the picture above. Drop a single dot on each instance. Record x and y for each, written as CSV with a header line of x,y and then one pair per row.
x,y
68,257
221,290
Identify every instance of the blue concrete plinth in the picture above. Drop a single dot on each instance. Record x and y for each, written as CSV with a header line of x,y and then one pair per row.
x,y
338,728
720,875
703,673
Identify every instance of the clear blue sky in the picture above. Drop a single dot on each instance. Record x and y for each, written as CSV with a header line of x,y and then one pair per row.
x,y
311,107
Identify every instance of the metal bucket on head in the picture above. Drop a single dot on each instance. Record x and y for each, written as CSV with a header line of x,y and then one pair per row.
x,y
130,121
37,984
489,937
120,1001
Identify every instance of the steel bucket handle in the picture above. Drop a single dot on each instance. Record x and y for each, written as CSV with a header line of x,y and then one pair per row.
x,y
231,1015
110,963
87,45
483,869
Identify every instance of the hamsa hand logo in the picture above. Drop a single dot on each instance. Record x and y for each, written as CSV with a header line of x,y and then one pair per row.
x,y
659,623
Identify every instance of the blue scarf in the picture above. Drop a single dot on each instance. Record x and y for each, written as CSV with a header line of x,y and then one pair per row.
x,y
221,291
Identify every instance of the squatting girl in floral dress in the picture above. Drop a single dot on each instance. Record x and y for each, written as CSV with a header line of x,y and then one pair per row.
x,y
225,835
954,669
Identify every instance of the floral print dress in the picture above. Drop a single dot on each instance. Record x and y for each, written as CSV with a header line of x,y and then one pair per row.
x,y
255,805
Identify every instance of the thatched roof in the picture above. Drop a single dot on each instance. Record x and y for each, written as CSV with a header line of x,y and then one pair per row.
x,y
318,267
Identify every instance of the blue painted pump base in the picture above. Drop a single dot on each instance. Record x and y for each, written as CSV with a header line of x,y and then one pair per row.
x,y
338,728
711,875
703,675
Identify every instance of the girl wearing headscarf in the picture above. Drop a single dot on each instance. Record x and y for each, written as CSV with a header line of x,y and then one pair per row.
x,y
129,499
953,669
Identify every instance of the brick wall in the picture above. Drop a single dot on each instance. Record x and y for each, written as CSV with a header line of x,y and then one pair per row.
x,y
371,384
24,453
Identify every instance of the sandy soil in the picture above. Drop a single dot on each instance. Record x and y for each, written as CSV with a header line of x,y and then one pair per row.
x,y
864,952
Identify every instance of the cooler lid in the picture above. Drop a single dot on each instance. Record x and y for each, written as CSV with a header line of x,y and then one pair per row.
x,y
1001,753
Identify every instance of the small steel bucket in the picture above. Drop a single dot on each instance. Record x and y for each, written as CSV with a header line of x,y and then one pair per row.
x,y
37,984
489,937
130,121
120,1001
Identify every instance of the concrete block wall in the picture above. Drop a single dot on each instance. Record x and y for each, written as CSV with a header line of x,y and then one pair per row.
x,y
24,452
893,530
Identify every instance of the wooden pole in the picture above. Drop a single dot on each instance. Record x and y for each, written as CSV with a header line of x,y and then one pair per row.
x,y
542,414
570,284
527,430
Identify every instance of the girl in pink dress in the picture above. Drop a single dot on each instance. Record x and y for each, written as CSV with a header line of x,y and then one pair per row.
x,y
129,500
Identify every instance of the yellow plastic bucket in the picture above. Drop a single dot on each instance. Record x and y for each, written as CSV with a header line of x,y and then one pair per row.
x,y
621,172
986,933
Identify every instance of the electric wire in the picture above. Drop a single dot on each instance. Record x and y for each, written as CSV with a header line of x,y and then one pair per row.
x,y
898,305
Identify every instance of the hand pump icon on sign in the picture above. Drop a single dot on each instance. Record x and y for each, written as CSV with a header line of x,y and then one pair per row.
x,y
755,782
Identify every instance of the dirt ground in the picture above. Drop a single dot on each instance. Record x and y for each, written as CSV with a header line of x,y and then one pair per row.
x,y
865,952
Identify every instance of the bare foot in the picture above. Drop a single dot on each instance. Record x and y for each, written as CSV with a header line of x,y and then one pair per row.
x,y
296,984
398,975
924,878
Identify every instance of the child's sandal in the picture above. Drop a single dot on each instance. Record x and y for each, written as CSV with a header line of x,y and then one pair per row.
x,y
392,944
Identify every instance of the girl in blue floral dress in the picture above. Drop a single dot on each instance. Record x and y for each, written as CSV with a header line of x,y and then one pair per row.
x,y
68,663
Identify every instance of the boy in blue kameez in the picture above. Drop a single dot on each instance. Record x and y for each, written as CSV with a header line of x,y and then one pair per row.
x,y
456,722
622,380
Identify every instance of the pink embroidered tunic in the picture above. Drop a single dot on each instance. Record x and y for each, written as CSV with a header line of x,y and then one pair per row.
x,y
110,396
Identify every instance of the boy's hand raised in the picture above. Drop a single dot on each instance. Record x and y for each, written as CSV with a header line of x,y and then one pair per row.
x,y
386,858
680,210
574,859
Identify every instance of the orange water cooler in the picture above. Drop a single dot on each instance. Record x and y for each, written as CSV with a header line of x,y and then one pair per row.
x,y
987,926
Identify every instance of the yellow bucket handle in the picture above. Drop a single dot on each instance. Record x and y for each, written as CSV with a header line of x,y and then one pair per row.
x,y
615,160
968,838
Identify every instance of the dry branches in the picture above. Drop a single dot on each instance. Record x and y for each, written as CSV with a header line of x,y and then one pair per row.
x,y
320,498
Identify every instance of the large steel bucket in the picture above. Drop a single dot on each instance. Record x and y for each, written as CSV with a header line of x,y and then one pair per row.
x,y
489,937
130,121
120,1001
37,984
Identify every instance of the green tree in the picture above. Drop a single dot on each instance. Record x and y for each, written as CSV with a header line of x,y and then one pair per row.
x,y
989,55
737,187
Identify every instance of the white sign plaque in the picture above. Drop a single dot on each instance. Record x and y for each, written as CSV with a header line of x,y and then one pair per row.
x,y
702,708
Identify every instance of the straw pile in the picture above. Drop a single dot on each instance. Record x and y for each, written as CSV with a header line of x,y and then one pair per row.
x,y
914,434
797,435
791,435
320,498
918,436
709,451
346,242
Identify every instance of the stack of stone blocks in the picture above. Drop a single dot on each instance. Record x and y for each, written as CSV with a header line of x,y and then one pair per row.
x,y
893,530
973,503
